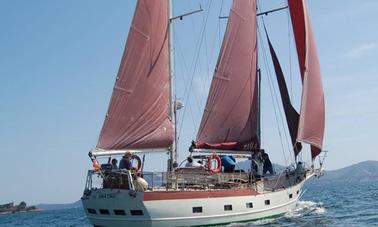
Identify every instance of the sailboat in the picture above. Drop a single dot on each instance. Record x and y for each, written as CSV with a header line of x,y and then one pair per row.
x,y
141,120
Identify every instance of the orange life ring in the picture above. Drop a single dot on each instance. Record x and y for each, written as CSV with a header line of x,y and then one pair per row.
x,y
136,157
96,165
218,167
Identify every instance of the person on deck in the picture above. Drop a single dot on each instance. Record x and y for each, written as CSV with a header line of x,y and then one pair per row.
x,y
229,163
114,163
191,163
125,162
140,184
268,167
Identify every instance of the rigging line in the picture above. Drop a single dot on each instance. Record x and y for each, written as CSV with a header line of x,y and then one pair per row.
x,y
197,49
207,57
195,63
182,61
219,23
272,94
186,69
208,78
185,65
207,66
192,115
213,48
289,39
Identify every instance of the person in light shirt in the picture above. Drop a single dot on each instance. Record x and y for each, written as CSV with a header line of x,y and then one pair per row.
x,y
191,163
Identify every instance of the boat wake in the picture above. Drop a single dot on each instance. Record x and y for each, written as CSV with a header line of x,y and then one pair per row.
x,y
262,222
304,208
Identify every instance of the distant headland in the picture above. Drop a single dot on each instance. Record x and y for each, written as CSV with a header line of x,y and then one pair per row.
x,y
10,208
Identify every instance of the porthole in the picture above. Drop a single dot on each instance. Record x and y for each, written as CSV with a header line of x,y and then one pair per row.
x,y
91,211
227,207
119,212
249,205
104,211
197,210
136,212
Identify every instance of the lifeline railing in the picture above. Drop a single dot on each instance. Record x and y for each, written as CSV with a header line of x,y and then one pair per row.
x,y
186,180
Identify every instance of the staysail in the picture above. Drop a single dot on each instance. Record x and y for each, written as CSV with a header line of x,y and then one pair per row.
x,y
138,114
231,116
292,116
312,113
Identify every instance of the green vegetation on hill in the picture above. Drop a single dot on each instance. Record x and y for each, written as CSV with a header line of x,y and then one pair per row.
x,y
366,171
11,208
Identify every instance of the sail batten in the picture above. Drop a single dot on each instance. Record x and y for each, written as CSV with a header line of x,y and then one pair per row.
x,y
138,113
230,119
312,114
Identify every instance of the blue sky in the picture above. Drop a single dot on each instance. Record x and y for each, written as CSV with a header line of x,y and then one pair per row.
x,y
58,61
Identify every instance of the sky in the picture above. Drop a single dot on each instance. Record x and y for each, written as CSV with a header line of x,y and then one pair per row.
x,y
59,59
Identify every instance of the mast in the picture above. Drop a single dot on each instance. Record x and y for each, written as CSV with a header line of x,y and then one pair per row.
x,y
172,106
259,106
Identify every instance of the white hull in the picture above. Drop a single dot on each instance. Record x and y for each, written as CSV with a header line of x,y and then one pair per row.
x,y
179,212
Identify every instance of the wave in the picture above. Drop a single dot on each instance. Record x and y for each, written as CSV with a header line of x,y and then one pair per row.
x,y
306,207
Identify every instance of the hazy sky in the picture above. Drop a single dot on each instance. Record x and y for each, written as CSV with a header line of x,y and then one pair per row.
x,y
58,61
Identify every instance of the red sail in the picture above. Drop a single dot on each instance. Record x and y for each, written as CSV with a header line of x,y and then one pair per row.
x,y
312,114
138,114
230,119
292,116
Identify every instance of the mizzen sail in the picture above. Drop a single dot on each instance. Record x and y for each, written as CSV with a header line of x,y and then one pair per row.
x,y
312,113
231,118
138,114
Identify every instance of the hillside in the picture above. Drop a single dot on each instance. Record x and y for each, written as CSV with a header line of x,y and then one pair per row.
x,y
76,204
366,171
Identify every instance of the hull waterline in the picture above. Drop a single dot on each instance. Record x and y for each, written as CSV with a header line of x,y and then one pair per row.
x,y
114,208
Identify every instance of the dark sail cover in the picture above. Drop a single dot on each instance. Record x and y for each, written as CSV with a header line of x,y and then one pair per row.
x,y
138,114
292,116
312,114
230,118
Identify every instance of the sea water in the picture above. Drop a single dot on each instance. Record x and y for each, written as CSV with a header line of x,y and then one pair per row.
x,y
332,204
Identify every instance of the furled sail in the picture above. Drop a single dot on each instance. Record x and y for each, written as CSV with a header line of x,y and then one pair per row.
x,y
231,116
312,114
138,114
292,116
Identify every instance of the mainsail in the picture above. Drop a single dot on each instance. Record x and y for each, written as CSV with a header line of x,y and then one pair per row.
x,y
231,117
312,114
138,114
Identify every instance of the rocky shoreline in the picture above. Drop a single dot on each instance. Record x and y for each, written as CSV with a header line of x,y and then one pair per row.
x,y
10,208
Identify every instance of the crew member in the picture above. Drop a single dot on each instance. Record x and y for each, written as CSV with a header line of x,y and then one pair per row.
x,y
229,163
125,162
114,163
268,167
191,163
